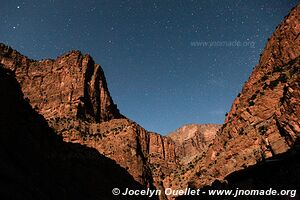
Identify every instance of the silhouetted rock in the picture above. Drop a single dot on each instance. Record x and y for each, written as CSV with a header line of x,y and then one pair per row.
x,y
36,164
278,173
72,94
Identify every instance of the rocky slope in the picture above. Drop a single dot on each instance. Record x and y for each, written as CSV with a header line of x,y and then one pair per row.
x,y
264,118
192,140
36,164
72,94
281,172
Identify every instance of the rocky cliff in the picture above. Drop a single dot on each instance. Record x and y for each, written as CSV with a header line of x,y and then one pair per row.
x,y
192,140
35,163
190,143
72,94
264,118
72,86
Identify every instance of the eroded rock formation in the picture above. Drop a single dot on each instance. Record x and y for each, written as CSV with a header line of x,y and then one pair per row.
x,y
72,86
72,94
35,163
192,140
264,118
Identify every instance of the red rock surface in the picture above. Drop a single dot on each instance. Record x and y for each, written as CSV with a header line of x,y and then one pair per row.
x,y
35,163
72,86
192,140
72,94
264,118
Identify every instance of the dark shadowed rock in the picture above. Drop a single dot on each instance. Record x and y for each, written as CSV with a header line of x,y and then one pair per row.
x,y
36,164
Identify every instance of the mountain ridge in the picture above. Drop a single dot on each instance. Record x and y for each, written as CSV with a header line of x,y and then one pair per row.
x,y
264,118
72,94
37,164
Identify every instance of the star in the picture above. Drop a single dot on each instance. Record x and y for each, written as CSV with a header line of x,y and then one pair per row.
x,y
151,40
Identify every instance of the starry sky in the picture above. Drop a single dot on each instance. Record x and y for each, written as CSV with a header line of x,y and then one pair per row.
x,y
167,62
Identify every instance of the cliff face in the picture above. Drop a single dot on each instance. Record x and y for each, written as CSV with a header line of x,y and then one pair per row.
x,y
72,86
264,118
189,142
119,139
192,140
36,164
281,172
72,94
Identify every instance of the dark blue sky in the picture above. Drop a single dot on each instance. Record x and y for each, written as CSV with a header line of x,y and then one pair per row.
x,y
167,63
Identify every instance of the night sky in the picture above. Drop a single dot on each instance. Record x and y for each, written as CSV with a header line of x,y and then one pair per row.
x,y
167,63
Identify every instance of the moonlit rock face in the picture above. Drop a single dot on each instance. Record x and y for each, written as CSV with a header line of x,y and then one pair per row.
x,y
193,139
71,93
69,87
264,118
